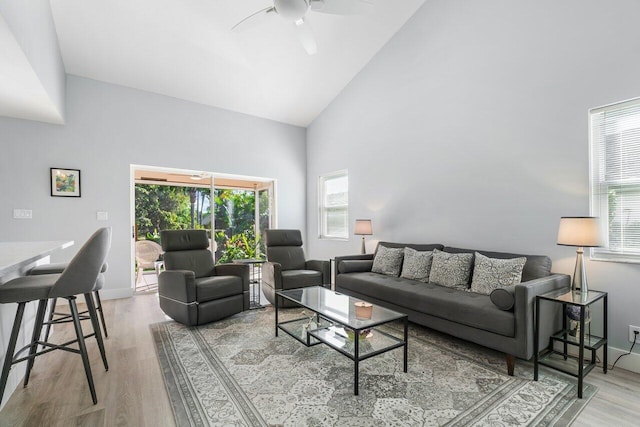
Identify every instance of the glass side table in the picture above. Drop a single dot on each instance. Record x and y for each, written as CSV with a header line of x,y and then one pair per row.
x,y
255,280
561,360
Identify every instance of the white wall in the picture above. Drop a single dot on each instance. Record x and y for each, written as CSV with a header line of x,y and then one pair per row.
x,y
32,25
470,128
110,127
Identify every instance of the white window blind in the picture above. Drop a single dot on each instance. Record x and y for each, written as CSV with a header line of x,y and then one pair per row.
x,y
333,204
615,179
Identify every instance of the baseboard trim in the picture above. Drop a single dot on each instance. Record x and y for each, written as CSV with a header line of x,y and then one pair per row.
x,y
630,362
116,293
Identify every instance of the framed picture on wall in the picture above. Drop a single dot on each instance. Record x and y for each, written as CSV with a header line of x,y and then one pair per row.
x,y
65,182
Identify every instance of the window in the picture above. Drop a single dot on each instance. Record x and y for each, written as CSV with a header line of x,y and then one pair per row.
x,y
615,179
333,191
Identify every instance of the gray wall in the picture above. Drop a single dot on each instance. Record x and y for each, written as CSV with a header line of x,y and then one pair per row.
x,y
470,128
32,25
110,127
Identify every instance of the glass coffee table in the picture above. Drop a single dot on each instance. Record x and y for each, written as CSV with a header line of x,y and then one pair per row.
x,y
334,323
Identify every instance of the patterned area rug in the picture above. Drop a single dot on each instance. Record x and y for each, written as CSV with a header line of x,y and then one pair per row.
x,y
237,373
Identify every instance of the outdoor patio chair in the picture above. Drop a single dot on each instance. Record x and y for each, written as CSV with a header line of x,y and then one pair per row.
x,y
148,255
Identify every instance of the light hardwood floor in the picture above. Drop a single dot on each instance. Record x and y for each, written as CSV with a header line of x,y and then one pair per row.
x,y
132,393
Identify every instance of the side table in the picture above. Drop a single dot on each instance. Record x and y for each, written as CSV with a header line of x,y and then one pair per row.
x,y
561,360
255,280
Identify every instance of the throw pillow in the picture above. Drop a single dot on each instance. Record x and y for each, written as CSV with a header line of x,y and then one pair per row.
x,y
416,265
388,261
492,273
451,270
503,298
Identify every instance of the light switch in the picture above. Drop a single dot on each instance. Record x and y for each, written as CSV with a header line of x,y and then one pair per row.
x,y
102,216
22,214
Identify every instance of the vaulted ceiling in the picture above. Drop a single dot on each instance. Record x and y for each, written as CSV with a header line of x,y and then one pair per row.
x,y
186,49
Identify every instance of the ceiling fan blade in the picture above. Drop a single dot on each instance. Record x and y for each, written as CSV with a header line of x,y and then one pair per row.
x,y
246,21
305,34
341,7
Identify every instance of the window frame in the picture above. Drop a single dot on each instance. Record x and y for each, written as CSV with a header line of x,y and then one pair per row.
x,y
598,199
322,209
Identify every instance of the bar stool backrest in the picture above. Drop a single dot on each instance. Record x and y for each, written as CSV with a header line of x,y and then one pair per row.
x,y
82,271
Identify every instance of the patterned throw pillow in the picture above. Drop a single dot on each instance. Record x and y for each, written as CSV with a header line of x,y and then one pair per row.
x,y
451,270
492,273
416,265
388,261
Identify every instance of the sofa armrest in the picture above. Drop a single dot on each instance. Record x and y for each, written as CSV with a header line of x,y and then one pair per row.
x,y
323,267
354,266
368,257
550,313
240,270
179,285
272,274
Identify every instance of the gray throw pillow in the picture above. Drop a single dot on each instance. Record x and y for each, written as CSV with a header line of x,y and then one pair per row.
x,y
416,265
504,298
388,261
451,270
492,273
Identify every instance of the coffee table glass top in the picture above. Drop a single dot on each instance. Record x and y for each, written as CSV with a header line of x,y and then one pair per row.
x,y
339,307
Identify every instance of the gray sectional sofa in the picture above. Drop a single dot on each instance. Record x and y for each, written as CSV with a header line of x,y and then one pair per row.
x,y
502,321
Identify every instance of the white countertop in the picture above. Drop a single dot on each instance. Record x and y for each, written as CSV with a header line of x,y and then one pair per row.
x,y
14,255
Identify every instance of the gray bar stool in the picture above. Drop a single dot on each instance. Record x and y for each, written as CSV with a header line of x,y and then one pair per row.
x,y
58,269
79,277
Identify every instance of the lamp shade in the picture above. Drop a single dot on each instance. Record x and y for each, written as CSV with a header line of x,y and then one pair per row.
x,y
579,231
363,227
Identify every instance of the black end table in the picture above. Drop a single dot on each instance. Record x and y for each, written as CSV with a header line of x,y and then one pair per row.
x,y
561,360
255,280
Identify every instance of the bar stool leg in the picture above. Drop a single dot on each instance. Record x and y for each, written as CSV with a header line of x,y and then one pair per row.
x,y
8,356
96,328
52,309
37,331
82,346
99,308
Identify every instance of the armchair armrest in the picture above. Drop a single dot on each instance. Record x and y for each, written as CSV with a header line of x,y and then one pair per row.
x,y
240,270
272,274
550,314
179,285
323,267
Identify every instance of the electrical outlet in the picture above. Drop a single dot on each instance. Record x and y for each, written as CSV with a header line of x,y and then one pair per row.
x,y
632,335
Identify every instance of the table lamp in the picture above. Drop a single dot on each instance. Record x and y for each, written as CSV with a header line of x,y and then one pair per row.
x,y
363,228
581,231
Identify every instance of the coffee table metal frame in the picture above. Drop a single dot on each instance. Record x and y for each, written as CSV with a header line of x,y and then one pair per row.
x,y
325,320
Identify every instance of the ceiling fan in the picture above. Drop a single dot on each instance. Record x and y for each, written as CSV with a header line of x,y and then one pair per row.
x,y
295,11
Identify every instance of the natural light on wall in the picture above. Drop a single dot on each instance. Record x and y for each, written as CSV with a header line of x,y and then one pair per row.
x,y
333,204
615,179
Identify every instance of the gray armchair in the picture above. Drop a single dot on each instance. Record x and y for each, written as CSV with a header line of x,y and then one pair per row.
x,y
286,267
194,291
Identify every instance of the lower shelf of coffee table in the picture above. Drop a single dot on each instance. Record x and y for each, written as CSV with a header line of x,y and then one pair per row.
x,y
375,343
568,364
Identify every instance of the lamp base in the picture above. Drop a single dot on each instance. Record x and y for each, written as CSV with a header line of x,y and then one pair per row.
x,y
363,249
579,282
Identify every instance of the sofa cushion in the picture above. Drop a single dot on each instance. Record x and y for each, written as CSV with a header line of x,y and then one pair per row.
x,y
492,273
416,264
452,270
388,261
458,306
354,265
292,279
216,287
537,266
504,298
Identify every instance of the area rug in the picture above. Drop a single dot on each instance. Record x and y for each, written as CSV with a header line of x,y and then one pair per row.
x,y
237,373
